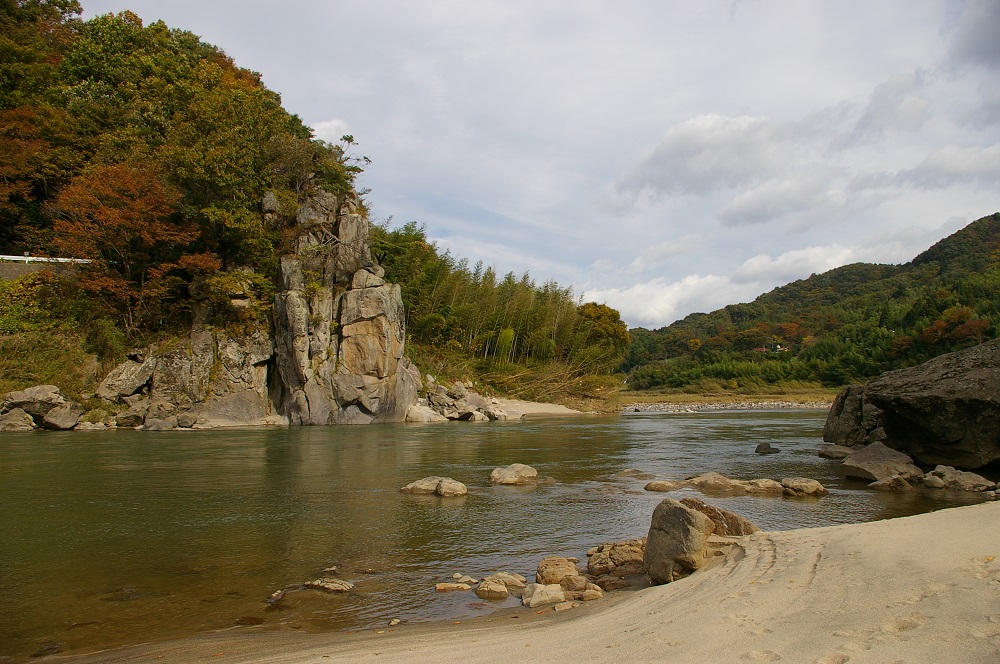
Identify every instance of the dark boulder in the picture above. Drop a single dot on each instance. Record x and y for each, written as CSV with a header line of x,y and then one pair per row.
x,y
945,411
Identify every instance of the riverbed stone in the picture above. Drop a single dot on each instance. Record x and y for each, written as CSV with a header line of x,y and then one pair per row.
x,y
766,448
802,486
894,483
439,486
538,594
330,585
492,589
451,587
959,480
553,569
664,486
515,473
877,462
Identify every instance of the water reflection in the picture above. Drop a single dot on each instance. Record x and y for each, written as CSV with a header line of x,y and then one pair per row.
x,y
115,537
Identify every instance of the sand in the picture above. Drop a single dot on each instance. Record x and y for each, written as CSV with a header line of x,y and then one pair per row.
x,y
917,589
536,408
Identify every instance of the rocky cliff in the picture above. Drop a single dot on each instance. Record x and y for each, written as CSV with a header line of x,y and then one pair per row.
x,y
945,411
333,354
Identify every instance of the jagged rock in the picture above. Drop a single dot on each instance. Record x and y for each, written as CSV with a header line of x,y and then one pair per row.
x,y
439,486
16,419
553,569
878,462
894,483
727,524
418,413
36,401
537,594
591,594
610,583
515,473
944,411
134,416
330,585
766,448
802,486
677,543
127,378
617,558
961,480
63,417
836,452
495,413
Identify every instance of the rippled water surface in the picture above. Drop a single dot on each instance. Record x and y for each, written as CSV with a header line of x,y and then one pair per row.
x,y
111,538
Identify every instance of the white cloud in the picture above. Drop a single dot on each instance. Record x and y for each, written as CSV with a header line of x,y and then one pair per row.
x,y
792,265
656,302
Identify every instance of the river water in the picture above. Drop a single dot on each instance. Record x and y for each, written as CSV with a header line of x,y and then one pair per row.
x,y
114,538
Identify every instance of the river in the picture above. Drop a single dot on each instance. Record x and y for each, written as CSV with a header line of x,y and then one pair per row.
x,y
121,537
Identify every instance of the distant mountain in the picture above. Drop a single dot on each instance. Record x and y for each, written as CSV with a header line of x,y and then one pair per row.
x,y
844,325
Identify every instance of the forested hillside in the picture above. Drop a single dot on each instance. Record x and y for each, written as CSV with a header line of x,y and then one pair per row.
x,y
842,326
149,153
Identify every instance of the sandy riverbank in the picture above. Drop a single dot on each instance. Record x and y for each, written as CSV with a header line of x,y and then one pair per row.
x,y
917,589
537,408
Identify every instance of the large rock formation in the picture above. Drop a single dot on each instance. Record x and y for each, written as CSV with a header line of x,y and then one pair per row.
x,y
945,411
335,355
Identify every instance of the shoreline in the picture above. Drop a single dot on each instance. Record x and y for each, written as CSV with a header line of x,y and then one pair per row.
x,y
923,588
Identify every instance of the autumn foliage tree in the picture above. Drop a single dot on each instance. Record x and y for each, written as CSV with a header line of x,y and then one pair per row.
x,y
121,217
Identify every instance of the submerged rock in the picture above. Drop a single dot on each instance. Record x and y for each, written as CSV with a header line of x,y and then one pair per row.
x,y
960,480
766,448
330,585
439,486
802,486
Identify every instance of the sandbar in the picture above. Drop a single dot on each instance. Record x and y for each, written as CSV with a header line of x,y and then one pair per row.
x,y
924,588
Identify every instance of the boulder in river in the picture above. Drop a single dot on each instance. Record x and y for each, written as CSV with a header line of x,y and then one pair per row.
x,y
766,448
445,487
515,473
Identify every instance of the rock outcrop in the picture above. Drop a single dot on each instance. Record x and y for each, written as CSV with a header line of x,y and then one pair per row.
x,y
945,411
335,355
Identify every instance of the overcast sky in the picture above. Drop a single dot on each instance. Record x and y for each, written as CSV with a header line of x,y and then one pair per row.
x,y
659,156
